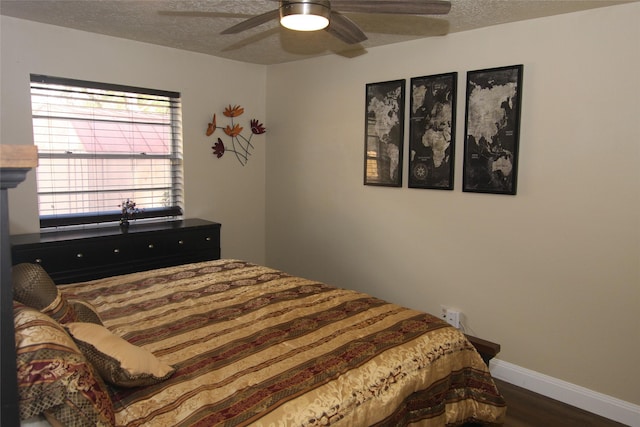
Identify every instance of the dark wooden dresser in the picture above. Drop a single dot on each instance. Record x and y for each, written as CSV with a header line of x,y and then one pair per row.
x,y
89,253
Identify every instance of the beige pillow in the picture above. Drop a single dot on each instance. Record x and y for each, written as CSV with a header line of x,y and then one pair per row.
x,y
118,361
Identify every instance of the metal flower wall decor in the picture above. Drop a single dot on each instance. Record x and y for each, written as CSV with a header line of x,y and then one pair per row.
x,y
240,145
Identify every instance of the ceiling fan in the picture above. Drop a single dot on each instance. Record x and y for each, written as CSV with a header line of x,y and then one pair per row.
x,y
314,15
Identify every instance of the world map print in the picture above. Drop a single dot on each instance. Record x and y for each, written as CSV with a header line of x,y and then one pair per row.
x,y
492,128
384,133
432,131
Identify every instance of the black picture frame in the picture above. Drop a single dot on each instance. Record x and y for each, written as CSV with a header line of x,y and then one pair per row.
x,y
432,128
492,130
384,133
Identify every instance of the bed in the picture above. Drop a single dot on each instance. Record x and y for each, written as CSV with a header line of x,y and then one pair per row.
x,y
230,343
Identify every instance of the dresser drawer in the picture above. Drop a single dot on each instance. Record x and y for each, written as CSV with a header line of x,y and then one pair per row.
x,y
87,252
90,254
193,240
51,257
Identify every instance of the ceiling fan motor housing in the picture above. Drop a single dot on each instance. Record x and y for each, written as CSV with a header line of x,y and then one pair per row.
x,y
305,15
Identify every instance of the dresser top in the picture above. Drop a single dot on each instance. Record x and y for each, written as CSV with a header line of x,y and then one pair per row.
x,y
92,231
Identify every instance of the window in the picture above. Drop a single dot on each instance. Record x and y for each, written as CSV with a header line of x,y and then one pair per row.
x,y
101,144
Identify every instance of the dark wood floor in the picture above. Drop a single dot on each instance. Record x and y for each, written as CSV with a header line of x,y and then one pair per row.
x,y
528,409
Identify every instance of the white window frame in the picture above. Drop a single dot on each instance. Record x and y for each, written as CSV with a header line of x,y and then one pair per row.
x,y
149,150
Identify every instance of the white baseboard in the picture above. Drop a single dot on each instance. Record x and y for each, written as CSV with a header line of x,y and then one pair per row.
x,y
571,394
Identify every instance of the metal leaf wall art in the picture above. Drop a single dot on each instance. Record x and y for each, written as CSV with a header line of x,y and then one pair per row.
x,y
240,145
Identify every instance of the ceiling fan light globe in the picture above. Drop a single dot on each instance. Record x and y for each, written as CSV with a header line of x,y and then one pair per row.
x,y
305,16
304,22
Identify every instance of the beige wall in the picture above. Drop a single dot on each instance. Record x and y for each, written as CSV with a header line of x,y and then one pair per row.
x,y
215,189
553,273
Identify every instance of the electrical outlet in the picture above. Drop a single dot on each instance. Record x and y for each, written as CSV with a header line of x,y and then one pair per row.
x,y
451,316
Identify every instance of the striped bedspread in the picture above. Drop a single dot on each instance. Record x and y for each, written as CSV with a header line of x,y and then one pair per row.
x,y
255,346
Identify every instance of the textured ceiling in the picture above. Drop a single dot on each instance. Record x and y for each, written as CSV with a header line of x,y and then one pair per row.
x,y
195,25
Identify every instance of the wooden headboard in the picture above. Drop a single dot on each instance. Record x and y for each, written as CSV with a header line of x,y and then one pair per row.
x,y
15,162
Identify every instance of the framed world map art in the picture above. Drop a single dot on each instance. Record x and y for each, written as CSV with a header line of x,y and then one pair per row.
x,y
384,133
492,130
432,124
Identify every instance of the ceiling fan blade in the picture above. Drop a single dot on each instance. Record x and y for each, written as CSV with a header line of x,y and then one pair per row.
x,y
406,7
252,22
345,29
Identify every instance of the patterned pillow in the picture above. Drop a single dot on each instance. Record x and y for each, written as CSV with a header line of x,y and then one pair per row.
x,y
85,311
60,310
118,361
53,375
33,287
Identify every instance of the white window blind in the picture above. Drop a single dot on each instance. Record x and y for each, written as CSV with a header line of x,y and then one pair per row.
x,y
101,144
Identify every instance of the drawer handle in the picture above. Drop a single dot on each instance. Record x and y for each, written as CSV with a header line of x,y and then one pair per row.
x,y
38,260
79,255
208,239
181,242
116,251
150,245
